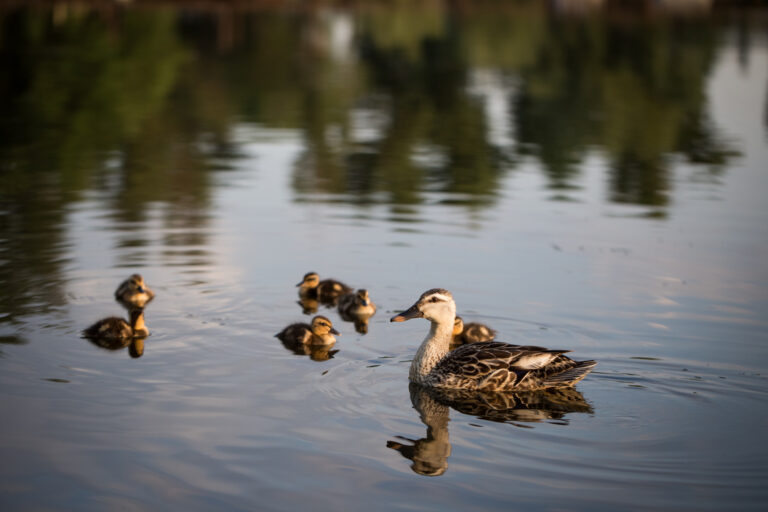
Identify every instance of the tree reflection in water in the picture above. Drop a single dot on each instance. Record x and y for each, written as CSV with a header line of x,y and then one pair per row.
x,y
140,105
430,454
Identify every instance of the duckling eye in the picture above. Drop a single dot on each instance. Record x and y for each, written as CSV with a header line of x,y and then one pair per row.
x,y
434,299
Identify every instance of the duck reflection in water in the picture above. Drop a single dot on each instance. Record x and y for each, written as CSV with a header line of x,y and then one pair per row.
x,y
308,305
430,454
326,291
314,340
114,333
357,308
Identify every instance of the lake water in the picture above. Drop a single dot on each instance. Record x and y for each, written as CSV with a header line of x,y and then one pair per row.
x,y
583,180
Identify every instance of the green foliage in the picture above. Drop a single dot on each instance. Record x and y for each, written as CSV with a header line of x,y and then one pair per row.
x,y
140,105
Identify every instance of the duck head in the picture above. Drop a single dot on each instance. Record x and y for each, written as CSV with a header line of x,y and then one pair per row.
x,y
134,293
310,280
321,326
362,297
436,305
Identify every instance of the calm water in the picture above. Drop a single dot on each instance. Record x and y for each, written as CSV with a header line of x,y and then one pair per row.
x,y
591,181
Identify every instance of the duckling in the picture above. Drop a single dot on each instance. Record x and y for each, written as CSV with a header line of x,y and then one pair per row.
x,y
471,332
357,304
113,329
320,332
358,308
488,366
326,291
134,293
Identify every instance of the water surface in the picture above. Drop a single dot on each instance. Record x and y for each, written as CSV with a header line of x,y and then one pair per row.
x,y
591,181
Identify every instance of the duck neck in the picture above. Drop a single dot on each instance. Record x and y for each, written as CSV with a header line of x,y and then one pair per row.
x,y
137,323
432,350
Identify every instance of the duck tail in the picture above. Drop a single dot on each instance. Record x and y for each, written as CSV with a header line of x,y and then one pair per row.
x,y
572,375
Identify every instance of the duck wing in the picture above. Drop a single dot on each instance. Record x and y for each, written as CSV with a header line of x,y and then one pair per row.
x,y
295,333
496,366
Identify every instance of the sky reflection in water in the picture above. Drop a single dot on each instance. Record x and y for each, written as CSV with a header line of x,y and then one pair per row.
x,y
591,182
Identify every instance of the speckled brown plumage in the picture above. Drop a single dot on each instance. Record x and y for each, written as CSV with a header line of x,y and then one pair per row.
x,y
500,366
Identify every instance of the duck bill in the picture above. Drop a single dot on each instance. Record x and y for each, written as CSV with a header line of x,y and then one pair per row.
x,y
334,331
299,284
412,312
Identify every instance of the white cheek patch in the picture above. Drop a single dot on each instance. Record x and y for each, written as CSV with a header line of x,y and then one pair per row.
x,y
533,360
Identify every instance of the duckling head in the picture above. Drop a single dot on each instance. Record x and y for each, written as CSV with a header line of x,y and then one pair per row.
x,y
310,280
321,326
362,297
134,293
458,326
436,305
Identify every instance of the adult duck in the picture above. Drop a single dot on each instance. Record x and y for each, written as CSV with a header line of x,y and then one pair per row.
x,y
488,366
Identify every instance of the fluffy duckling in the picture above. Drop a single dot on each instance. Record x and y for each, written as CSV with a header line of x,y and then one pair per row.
x,y
326,291
115,329
489,366
357,304
471,332
358,308
134,293
320,332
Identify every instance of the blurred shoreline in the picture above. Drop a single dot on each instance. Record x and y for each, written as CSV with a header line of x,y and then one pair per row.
x,y
561,7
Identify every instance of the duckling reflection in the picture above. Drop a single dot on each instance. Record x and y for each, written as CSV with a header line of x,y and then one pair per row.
x,y
472,332
315,339
308,305
358,308
315,352
114,333
430,454
326,291
134,293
